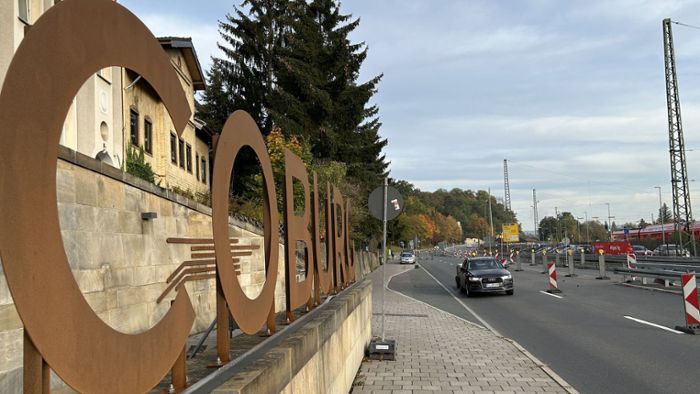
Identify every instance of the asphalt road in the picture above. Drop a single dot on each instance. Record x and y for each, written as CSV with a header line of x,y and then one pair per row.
x,y
583,336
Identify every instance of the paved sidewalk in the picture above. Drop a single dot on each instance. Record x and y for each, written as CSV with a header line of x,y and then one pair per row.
x,y
437,352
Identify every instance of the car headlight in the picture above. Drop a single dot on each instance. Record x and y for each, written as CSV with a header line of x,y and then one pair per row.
x,y
474,279
506,277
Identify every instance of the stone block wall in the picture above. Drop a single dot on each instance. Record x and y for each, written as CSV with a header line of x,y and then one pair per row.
x,y
120,261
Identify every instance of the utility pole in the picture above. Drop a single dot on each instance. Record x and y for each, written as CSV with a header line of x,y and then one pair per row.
x,y
506,185
661,218
610,218
682,212
588,235
490,222
534,208
556,214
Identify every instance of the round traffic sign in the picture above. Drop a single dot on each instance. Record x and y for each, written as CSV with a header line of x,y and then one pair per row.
x,y
394,203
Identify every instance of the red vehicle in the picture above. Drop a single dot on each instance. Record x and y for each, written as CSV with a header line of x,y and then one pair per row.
x,y
612,247
655,231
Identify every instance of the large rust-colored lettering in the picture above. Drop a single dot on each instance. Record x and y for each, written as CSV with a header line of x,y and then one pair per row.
x,y
240,130
296,229
323,281
69,43
339,261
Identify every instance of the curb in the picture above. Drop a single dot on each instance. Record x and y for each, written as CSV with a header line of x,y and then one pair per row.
x,y
425,303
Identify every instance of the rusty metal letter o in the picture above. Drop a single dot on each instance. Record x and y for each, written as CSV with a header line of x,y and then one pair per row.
x,y
240,130
68,44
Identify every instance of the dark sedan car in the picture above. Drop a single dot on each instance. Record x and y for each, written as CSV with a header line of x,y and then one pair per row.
x,y
483,275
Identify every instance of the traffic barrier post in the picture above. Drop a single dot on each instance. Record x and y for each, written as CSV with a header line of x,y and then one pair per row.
x,y
583,258
690,301
601,264
556,257
570,256
553,287
544,262
532,257
518,266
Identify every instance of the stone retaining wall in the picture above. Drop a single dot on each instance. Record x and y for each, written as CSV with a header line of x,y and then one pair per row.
x,y
121,262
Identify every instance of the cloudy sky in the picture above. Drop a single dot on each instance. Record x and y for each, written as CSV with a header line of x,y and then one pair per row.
x,y
572,93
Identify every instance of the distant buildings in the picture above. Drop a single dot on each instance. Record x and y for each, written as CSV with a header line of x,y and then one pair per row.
x,y
117,109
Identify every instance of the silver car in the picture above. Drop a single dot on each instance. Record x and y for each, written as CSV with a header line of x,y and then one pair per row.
x,y
408,258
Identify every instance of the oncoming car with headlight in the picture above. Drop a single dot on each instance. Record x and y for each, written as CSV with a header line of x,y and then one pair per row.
x,y
483,275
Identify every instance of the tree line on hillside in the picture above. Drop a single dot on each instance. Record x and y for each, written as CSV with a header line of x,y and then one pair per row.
x,y
446,216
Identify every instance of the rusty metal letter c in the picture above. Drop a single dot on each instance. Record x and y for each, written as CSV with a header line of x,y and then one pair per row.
x,y
68,44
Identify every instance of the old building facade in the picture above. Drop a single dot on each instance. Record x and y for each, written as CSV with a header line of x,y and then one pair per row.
x,y
116,110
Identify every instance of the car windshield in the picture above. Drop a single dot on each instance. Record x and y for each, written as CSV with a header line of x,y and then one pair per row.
x,y
484,265
639,247
406,254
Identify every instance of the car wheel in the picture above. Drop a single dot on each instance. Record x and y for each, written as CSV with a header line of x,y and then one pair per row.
x,y
509,292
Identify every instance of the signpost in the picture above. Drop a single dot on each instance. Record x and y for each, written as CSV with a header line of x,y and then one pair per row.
x,y
385,203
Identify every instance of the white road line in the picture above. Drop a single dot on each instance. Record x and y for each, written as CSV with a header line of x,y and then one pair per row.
x,y
653,325
550,294
425,303
482,321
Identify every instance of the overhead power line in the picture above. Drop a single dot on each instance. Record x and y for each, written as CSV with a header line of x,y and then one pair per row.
x,y
686,25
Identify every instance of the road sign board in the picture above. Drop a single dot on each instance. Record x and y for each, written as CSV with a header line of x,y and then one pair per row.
x,y
511,233
394,203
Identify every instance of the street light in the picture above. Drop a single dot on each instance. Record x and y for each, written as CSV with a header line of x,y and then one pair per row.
x,y
610,220
661,218
578,226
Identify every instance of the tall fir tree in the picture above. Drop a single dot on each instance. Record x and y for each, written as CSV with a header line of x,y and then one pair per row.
x,y
245,76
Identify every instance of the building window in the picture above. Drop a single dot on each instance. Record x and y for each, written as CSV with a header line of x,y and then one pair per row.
x,y
148,136
182,154
173,148
189,158
134,127
196,165
204,171
23,10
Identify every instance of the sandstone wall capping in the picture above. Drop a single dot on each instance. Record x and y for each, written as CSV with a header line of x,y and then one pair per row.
x,y
318,353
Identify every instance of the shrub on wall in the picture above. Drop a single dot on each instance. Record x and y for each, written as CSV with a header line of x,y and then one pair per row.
x,y
136,164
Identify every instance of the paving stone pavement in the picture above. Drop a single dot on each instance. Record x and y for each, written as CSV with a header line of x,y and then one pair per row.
x,y
437,352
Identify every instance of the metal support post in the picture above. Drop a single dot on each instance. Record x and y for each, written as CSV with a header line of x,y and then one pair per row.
x,y
601,265
544,263
386,185
571,264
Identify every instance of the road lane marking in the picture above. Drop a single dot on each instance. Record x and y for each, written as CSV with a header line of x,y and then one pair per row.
x,y
653,324
425,303
451,293
550,294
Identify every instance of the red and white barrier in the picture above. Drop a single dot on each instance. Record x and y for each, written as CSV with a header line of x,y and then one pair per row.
x,y
553,287
631,260
631,263
690,300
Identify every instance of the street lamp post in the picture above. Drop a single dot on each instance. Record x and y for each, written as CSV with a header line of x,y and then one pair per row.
x,y
578,226
610,221
588,235
661,218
